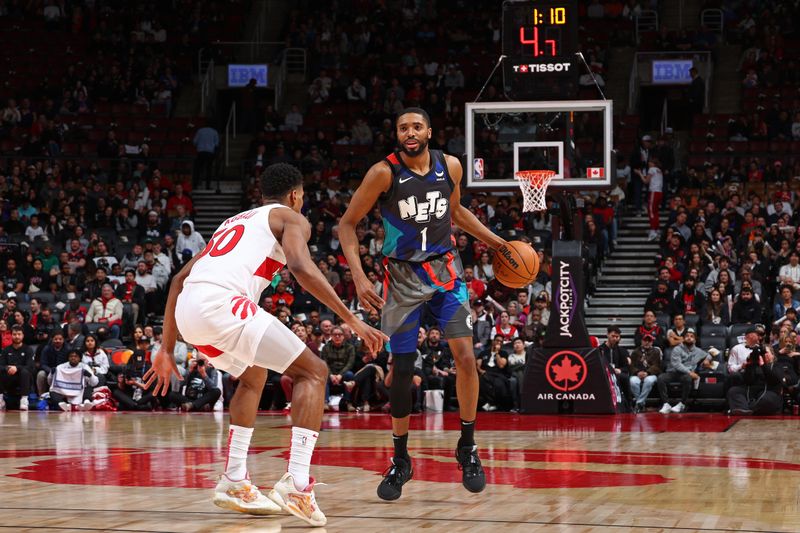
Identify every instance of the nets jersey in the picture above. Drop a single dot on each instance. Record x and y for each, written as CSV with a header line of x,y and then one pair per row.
x,y
242,256
416,210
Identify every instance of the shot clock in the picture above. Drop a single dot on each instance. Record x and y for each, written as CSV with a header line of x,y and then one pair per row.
x,y
540,40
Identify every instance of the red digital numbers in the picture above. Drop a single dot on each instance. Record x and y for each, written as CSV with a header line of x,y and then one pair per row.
x,y
535,42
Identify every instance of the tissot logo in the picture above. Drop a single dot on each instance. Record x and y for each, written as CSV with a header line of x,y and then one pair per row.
x,y
565,371
527,68
434,205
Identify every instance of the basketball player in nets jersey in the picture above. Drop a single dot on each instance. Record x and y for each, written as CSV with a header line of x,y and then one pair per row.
x,y
419,197
212,301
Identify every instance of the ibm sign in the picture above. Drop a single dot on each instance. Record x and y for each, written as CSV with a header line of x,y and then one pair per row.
x,y
240,75
672,72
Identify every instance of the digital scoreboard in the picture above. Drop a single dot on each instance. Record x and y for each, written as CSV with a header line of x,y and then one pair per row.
x,y
540,42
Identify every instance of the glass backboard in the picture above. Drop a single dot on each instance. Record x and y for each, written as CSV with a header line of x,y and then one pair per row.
x,y
572,138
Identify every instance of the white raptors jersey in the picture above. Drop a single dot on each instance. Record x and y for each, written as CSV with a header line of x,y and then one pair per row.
x,y
242,256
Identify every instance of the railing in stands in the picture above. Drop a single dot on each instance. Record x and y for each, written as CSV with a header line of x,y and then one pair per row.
x,y
713,19
292,68
664,116
230,132
208,91
646,21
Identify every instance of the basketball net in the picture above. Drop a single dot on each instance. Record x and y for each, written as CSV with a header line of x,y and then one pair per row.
x,y
533,184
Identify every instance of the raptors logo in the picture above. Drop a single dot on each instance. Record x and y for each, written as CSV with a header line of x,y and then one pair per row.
x,y
242,307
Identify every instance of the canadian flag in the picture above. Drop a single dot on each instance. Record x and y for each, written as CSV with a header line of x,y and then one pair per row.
x,y
594,172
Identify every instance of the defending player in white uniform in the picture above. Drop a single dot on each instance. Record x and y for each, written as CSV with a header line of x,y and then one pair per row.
x,y
213,302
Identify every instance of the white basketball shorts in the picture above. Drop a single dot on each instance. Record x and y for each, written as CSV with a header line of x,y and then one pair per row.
x,y
228,328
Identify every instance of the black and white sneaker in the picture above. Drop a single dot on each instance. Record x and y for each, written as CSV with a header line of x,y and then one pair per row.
x,y
472,476
394,478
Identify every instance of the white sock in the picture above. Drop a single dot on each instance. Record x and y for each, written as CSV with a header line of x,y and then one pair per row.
x,y
238,444
303,442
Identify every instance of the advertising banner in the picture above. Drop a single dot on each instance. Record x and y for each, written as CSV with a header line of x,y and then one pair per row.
x,y
569,381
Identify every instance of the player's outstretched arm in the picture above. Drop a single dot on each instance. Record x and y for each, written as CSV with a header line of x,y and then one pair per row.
x,y
164,361
463,217
295,231
377,181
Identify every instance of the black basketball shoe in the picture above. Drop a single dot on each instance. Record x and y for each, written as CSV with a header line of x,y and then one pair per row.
x,y
472,476
394,478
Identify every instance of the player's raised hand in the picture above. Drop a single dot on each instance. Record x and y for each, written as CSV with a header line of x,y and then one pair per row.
x,y
372,338
367,296
160,373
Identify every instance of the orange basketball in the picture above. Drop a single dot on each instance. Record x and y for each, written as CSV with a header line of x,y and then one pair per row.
x,y
516,265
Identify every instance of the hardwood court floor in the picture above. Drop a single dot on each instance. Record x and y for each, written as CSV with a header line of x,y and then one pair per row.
x,y
154,472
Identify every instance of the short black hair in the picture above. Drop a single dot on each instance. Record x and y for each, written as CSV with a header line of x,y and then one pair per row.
x,y
614,329
418,111
17,327
279,179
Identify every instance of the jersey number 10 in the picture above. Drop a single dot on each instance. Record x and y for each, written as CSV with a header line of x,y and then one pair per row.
x,y
223,241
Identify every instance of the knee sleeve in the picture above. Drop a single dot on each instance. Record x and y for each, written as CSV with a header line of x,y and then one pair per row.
x,y
400,392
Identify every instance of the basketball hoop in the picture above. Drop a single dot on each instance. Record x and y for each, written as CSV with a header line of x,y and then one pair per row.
x,y
533,184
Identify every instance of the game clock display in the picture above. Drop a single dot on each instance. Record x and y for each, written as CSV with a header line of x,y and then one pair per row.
x,y
540,40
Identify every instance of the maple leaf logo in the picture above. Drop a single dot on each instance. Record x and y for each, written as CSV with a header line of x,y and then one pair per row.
x,y
566,371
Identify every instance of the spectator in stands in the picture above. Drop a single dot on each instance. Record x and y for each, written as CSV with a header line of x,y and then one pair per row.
x,y
504,329
95,358
189,239
73,384
294,119
94,288
746,309
785,301
716,309
17,368
746,276
619,359
106,309
340,357
675,333
206,141
649,325
494,375
132,258
660,301
697,93
789,274
53,354
682,361
688,300
645,368
146,280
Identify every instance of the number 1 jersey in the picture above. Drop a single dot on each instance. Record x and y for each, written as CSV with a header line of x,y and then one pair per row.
x,y
416,210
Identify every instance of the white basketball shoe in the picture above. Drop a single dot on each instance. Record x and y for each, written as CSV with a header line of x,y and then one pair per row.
x,y
243,496
300,503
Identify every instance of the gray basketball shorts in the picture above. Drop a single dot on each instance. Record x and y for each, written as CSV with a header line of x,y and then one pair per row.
x,y
408,286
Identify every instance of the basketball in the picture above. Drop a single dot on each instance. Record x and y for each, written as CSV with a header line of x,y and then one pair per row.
x,y
516,265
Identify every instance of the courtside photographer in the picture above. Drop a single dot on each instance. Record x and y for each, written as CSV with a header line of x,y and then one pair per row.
x,y
761,387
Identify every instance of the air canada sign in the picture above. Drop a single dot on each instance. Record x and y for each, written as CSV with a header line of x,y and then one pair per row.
x,y
566,372
567,380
